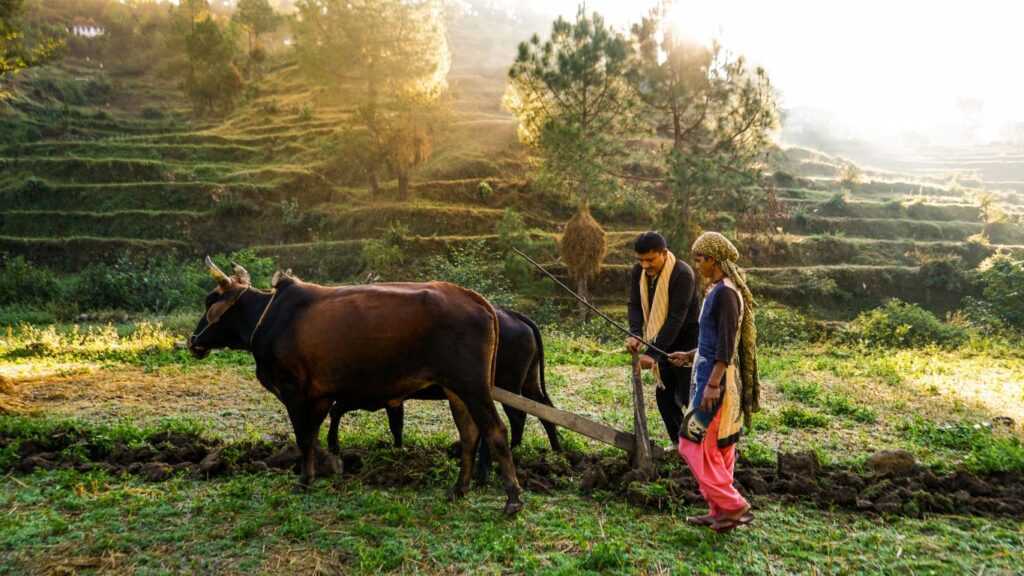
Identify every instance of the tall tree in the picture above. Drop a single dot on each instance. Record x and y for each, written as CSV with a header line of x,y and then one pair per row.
x,y
257,17
718,112
213,82
391,56
572,101
15,52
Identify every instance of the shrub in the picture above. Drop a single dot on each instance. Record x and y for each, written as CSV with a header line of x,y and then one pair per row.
x,y
512,233
784,179
158,286
152,113
23,283
756,453
305,113
472,267
944,273
1001,279
803,392
797,417
484,191
778,326
386,255
836,205
34,185
838,405
901,325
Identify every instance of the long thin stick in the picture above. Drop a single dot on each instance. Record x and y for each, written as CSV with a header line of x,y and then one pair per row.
x,y
588,304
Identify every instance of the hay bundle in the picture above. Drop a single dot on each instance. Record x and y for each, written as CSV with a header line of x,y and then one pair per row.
x,y
583,249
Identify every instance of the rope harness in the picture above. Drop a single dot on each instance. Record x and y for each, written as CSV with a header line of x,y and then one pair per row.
x,y
273,294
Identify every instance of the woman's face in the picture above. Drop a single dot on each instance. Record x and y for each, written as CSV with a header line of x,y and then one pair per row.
x,y
705,265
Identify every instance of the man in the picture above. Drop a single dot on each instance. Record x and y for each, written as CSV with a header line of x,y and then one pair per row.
x,y
725,385
663,309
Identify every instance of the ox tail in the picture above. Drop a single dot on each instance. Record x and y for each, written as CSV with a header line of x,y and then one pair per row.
x,y
540,350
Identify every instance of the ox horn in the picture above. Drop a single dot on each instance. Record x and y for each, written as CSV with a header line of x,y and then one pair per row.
x,y
222,279
240,273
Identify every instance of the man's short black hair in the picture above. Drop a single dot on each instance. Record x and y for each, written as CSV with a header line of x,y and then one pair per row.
x,y
649,242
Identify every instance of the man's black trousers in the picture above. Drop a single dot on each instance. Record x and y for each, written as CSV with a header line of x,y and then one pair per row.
x,y
673,399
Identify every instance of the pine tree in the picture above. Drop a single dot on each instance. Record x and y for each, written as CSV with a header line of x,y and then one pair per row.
x,y
572,101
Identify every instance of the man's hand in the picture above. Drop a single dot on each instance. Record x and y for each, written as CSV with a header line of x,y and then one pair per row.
x,y
646,362
681,358
633,344
711,395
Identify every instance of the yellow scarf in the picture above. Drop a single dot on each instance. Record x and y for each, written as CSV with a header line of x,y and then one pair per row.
x,y
655,313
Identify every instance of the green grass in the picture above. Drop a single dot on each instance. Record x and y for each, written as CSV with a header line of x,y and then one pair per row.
x,y
253,523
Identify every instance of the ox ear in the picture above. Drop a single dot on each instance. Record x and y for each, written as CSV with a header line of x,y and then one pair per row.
x,y
241,274
222,279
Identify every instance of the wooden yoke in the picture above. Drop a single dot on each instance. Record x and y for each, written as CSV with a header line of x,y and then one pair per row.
x,y
642,458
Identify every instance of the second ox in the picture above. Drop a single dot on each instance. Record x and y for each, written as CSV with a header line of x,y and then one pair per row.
x,y
520,370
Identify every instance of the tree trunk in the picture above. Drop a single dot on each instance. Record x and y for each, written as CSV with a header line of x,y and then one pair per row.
x,y
373,182
583,290
403,185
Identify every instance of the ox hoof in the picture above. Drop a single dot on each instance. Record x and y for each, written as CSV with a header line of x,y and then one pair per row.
x,y
512,507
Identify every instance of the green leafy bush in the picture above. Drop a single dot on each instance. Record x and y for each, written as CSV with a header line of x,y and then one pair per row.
x,y
24,283
901,325
473,267
804,392
484,191
156,286
386,255
1001,279
798,417
945,274
838,405
778,326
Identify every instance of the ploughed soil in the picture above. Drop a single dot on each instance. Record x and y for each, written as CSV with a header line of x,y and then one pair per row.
x,y
893,485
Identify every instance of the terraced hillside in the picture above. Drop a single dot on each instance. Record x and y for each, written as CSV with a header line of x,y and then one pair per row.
x,y
105,179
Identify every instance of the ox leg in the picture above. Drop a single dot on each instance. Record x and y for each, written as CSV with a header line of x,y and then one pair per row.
x,y
396,421
483,462
516,424
533,390
332,432
493,430
468,435
306,419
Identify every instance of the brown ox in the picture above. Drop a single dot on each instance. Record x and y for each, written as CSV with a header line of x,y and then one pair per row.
x,y
368,347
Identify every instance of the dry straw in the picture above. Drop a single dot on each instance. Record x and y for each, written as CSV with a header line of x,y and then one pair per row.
x,y
583,245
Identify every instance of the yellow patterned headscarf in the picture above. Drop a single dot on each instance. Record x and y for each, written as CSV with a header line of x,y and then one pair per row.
x,y
717,246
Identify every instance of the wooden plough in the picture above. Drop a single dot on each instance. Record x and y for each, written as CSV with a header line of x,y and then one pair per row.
x,y
642,452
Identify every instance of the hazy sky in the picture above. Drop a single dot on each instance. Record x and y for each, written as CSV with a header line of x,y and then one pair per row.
x,y
878,69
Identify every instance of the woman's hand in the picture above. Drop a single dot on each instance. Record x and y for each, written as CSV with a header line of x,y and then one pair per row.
x,y
681,358
711,395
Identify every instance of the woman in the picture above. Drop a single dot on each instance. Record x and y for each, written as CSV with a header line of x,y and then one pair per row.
x,y
724,388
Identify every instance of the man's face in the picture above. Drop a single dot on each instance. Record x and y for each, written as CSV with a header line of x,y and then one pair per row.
x,y
705,265
652,262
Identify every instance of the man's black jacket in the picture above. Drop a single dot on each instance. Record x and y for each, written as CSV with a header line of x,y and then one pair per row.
x,y
679,332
